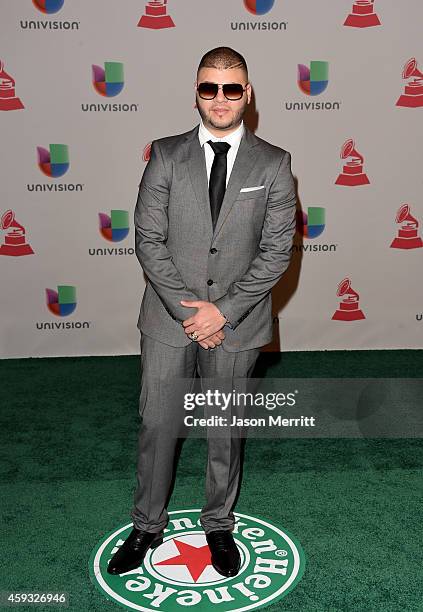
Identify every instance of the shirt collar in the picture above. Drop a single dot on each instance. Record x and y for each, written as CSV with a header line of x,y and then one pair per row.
x,y
233,139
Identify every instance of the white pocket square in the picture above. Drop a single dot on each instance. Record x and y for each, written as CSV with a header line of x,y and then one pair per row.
x,y
251,188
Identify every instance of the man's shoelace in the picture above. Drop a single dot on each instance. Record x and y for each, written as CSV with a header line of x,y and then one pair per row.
x,y
222,540
137,541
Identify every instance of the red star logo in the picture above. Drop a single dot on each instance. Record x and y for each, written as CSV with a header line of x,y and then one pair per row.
x,y
196,559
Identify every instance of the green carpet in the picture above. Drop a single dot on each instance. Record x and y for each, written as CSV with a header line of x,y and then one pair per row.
x,y
69,427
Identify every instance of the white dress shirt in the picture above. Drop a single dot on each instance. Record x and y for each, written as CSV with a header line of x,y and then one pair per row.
x,y
233,139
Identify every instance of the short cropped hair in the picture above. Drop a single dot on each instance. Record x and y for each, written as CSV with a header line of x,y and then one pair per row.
x,y
223,58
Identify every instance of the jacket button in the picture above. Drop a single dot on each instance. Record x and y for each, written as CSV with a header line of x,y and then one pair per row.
x,y
210,282
213,251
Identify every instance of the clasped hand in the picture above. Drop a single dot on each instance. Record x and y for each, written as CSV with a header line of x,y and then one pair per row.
x,y
207,323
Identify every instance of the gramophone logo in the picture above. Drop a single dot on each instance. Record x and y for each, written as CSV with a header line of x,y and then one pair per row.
x,y
108,81
413,94
15,244
62,302
313,80
48,6
146,152
352,173
348,309
312,223
8,99
407,236
259,7
155,16
362,15
114,227
54,161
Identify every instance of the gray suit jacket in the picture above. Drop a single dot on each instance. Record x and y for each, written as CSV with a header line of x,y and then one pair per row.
x,y
236,266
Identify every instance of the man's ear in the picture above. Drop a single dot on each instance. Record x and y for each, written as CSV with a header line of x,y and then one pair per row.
x,y
195,93
248,89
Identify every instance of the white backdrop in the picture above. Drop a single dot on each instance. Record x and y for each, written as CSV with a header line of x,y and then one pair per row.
x,y
49,56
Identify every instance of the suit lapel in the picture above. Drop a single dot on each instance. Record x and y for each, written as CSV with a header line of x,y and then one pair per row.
x,y
244,162
198,175
196,162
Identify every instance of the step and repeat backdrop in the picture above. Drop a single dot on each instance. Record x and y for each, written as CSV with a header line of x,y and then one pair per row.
x,y
86,86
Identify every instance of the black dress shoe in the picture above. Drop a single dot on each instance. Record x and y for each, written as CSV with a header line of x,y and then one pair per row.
x,y
225,555
132,552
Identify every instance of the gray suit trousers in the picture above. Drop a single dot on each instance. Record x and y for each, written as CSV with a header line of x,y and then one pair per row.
x,y
162,412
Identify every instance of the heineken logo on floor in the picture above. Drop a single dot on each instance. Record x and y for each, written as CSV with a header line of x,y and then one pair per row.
x,y
178,574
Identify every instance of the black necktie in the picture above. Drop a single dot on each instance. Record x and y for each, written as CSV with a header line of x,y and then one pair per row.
x,y
217,181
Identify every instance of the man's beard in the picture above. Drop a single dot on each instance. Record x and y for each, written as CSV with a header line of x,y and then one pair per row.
x,y
233,122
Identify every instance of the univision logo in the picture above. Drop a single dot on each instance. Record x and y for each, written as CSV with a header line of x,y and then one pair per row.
x,y
54,163
62,303
116,227
259,8
311,225
108,81
113,228
179,572
48,7
312,81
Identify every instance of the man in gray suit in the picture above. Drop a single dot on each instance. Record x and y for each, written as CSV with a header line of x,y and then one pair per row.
x,y
214,220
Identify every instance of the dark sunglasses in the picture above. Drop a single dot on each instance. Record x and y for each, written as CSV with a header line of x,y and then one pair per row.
x,y
231,91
